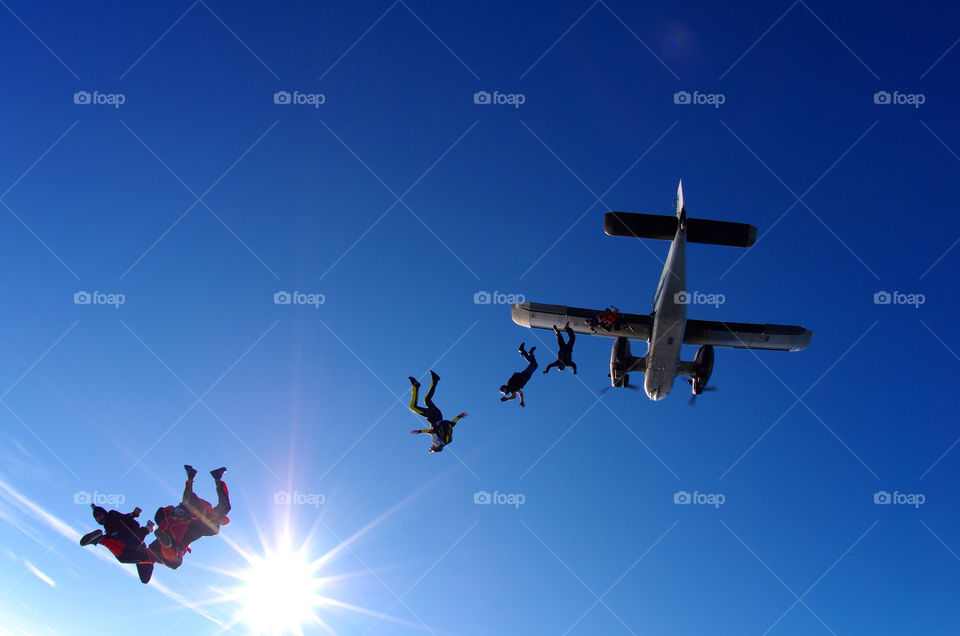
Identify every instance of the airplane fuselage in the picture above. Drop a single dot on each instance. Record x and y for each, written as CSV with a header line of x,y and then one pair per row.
x,y
669,317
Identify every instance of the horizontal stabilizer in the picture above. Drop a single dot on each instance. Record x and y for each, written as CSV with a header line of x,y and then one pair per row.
x,y
657,226
542,316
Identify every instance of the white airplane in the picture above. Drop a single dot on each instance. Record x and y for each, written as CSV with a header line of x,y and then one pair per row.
x,y
667,327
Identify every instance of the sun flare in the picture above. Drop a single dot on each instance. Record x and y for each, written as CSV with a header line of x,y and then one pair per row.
x,y
278,594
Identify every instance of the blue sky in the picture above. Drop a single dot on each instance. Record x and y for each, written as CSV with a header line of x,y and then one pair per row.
x,y
398,198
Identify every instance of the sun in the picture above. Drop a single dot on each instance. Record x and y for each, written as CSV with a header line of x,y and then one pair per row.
x,y
279,593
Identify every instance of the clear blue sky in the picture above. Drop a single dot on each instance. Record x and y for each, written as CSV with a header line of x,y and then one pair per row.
x,y
198,365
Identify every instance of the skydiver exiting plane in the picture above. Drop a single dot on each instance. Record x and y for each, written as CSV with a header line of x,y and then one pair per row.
x,y
565,354
513,388
123,535
440,430
179,526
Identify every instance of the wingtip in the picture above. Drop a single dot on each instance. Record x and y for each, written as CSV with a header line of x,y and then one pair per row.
x,y
520,313
804,340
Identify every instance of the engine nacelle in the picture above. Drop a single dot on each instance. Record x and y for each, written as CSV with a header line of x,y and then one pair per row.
x,y
622,363
703,366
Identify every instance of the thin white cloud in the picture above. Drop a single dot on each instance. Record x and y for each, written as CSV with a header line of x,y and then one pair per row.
x,y
40,575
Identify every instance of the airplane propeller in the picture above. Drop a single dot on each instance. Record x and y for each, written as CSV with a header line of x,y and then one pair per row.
x,y
693,398
632,387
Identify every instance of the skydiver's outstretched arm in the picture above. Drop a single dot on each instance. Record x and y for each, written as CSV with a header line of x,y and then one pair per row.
x,y
555,363
418,431
510,396
520,393
458,417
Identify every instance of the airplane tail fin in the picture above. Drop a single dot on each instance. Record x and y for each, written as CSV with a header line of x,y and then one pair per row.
x,y
681,206
662,227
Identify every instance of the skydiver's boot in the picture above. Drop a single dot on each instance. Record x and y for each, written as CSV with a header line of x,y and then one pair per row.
x,y
218,473
434,377
91,538
191,471
414,382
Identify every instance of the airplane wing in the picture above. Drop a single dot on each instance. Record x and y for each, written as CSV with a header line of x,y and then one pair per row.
x,y
541,316
745,335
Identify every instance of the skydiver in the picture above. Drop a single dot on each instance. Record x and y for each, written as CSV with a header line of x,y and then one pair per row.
x,y
607,321
440,430
565,354
518,380
179,526
124,537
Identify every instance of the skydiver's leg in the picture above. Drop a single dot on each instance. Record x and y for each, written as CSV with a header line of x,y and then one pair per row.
x,y
428,400
190,500
223,499
134,555
528,355
414,391
432,412
571,336
559,337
